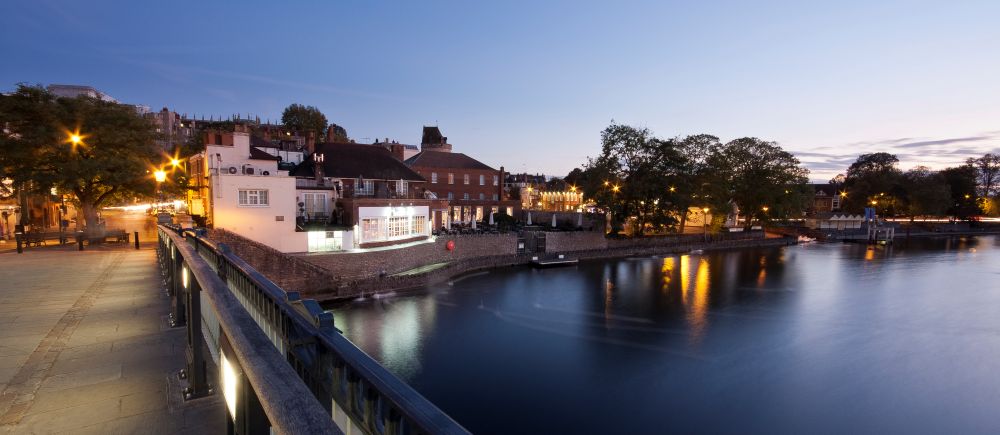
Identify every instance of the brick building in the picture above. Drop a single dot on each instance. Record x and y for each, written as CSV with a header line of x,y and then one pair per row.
x,y
472,188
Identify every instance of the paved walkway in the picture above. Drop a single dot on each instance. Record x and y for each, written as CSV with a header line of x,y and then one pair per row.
x,y
85,347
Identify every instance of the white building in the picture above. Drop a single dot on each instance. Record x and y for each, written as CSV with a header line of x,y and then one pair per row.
x,y
242,190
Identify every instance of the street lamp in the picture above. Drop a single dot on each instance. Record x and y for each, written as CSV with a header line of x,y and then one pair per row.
x,y
160,176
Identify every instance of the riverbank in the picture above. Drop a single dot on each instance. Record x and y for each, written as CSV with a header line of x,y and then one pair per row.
x,y
407,282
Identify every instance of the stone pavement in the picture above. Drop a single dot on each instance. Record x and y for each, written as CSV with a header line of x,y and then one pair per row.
x,y
85,347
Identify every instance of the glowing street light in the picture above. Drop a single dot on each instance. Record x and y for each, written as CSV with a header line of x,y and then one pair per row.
x,y
765,208
75,139
175,163
615,188
672,188
160,176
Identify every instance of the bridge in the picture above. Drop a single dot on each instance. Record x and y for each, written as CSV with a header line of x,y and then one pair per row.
x,y
183,338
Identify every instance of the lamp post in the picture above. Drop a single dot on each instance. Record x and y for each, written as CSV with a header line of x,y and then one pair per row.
x,y
160,176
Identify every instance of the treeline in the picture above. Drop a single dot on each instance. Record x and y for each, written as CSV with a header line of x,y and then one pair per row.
x,y
875,180
656,181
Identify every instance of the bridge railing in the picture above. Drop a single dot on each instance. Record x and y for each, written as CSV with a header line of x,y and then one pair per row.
x,y
355,391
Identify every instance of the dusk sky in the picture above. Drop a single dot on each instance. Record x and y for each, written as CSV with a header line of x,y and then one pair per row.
x,y
530,85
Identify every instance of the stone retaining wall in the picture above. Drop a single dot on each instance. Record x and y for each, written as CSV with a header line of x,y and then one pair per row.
x,y
354,265
287,271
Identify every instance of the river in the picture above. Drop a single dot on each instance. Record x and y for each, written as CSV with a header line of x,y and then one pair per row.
x,y
819,338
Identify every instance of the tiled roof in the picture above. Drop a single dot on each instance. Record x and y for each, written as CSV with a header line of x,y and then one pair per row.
x,y
348,160
446,160
257,154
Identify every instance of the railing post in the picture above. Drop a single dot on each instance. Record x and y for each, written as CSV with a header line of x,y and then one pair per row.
x,y
197,368
179,307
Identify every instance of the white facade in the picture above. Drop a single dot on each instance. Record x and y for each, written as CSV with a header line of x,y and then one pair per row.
x,y
249,197
386,224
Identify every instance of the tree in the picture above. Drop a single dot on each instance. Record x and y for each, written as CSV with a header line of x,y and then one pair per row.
x,y
691,184
305,119
961,182
759,174
988,167
873,177
629,179
90,148
926,192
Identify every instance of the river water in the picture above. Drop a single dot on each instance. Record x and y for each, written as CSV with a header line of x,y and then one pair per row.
x,y
820,338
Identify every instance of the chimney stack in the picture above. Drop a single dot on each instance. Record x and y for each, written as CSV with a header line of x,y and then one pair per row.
x,y
500,185
311,142
318,159
397,151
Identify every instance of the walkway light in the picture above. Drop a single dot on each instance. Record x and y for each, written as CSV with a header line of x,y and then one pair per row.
x,y
672,188
765,208
615,188
75,139
705,210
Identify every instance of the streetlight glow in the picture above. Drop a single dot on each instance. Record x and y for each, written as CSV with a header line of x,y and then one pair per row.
x,y
175,162
765,208
160,176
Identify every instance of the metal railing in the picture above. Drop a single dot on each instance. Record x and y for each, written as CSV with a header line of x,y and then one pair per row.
x,y
356,391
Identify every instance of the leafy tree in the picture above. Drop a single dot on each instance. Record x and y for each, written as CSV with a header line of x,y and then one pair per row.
x,y
962,183
629,177
90,148
759,174
988,167
305,119
926,192
691,183
873,177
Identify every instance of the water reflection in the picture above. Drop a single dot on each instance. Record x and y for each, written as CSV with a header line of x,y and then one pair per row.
x,y
836,336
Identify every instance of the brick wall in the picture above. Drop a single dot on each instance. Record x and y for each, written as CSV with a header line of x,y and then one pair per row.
x,y
288,272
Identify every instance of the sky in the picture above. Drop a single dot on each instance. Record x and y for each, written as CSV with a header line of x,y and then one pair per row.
x,y
529,85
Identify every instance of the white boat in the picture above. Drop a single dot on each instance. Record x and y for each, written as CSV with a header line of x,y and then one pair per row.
x,y
804,239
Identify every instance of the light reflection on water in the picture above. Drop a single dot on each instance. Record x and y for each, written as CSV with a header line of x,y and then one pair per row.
x,y
817,338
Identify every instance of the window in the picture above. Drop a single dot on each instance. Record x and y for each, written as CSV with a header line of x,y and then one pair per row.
x,y
314,204
465,196
398,227
496,179
482,196
418,225
401,187
364,187
494,197
371,230
434,177
482,180
253,198
451,196
451,178
466,178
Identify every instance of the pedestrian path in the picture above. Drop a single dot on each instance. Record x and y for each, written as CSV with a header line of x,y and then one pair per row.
x,y
85,347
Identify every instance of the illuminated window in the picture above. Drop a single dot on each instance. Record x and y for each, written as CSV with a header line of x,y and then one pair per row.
x,y
434,177
418,225
253,198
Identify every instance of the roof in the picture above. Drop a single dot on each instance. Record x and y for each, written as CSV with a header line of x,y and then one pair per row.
x,y
257,154
826,189
432,135
349,160
441,159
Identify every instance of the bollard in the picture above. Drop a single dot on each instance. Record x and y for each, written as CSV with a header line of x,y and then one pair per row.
x,y
79,240
136,234
17,240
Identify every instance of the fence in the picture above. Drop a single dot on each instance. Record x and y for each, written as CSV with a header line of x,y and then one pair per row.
x,y
262,337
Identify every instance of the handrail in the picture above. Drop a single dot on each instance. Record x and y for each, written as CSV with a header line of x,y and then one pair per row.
x,y
288,405
335,369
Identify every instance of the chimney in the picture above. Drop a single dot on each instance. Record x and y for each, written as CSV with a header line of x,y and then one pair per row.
x,y
311,142
397,151
330,136
318,159
500,185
